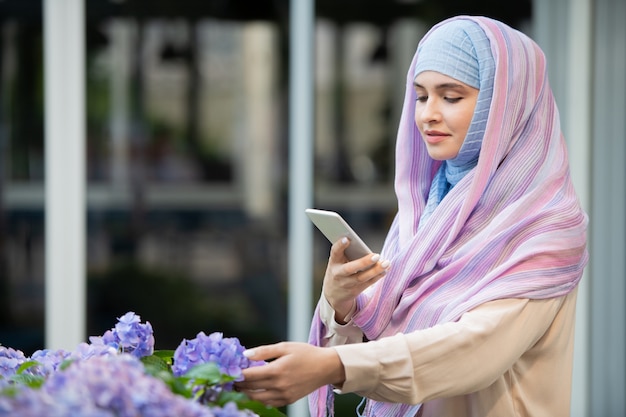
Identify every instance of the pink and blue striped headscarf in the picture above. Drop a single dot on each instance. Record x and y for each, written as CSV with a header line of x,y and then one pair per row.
x,y
460,50
512,227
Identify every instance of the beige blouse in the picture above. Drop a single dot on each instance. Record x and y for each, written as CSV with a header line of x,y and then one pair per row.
x,y
505,358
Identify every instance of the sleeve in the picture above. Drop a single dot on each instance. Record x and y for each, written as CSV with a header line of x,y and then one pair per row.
x,y
338,334
449,359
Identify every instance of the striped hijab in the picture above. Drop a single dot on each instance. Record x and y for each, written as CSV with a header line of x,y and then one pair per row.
x,y
511,228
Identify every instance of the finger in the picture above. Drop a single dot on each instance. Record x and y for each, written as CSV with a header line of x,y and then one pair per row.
x,y
254,377
375,278
264,353
337,250
363,264
367,280
275,397
374,273
267,397
254,381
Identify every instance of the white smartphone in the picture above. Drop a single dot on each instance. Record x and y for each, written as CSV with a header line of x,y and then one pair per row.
x,y
334,227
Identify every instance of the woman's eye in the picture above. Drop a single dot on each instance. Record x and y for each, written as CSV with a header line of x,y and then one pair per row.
x,y
421,99
453,99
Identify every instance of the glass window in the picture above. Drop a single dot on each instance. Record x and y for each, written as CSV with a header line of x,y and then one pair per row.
x,y
186,134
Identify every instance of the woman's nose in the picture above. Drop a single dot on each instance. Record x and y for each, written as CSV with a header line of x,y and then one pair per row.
x,y
429,111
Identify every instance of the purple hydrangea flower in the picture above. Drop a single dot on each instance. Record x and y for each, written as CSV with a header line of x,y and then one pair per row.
x,y
225,352
129,336
48,361
10,360
86,351
105,378
102,386
38,403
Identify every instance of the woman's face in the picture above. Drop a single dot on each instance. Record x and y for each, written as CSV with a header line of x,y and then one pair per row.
x,y
443,112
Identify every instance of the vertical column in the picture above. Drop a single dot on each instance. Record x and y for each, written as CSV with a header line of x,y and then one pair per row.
x,y
607,329
300,175
578,130
569,22
64,36
550,25
259,150
120,34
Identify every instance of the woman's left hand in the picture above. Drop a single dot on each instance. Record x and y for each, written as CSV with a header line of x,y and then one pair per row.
x,y
296,369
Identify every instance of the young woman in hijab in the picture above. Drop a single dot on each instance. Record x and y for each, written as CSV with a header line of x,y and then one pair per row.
x,y
469,309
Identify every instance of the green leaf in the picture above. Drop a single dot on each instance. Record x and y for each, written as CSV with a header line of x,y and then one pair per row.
x,y
26,365
261,409
10,391
179,386
208,373
154,364
63,366
244,402
232,396
166,355
29,380
32,381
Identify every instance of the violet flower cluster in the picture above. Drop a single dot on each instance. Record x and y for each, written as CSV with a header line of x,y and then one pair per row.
x,y
226,352
102,386
129,335
10,360
107,377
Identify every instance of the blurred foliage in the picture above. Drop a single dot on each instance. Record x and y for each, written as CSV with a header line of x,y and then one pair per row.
x,y
176,307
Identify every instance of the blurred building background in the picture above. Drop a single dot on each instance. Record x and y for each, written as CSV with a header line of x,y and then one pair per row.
x,y
187,108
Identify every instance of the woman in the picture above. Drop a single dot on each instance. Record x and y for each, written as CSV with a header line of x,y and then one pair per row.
x,y
469,309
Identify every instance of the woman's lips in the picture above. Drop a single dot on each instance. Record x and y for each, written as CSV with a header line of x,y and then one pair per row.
x,y
434,136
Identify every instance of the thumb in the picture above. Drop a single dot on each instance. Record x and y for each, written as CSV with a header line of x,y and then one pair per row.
x,y
338,248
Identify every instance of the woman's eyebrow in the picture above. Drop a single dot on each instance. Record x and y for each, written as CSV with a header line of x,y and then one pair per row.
x,y
443,86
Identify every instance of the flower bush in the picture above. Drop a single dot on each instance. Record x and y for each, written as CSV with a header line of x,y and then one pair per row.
x,y
119,374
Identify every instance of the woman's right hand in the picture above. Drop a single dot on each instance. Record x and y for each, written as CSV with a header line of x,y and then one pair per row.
x,y
345,280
